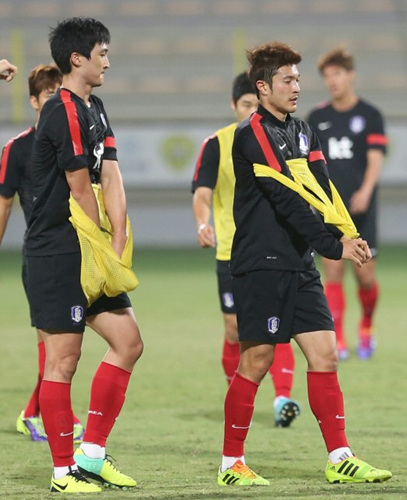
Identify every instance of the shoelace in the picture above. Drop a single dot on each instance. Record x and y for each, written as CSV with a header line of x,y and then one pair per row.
x,y
77,476
243,469
110,460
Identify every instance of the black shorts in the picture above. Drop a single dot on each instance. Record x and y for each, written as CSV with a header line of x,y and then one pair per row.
x,y
272,306
57,301
227,302
366,225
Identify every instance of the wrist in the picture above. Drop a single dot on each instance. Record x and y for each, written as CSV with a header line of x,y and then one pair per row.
x,y
201,227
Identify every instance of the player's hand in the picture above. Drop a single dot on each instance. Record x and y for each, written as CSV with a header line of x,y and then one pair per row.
x,y
356,250
7,70
206,236
360,201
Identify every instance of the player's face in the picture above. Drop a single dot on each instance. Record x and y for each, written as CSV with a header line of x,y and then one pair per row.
x,y
282,97
96,66
339,81
245,106
38,103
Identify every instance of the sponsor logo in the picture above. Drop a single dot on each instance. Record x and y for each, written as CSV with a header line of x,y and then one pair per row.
x,y
283,146
64,434
228,300
77,313
97,413
340,417
340,149
273,324
324,125
93,126
238,427
304,143
357,124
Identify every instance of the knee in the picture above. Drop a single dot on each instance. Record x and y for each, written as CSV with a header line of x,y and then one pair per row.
x,y
63,368
255,370
326,363
133,351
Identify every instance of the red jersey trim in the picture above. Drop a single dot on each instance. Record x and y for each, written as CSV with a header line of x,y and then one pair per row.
x,y
73,122
377,139
199,161
6,154
110,142
264,142
316,155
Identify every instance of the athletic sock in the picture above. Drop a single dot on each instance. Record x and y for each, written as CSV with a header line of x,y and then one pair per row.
x,y
368,298
93,450
239,408
326,402
229,462
60,472
230,359
337,302
107,398
56,411
282,370
340,454
33,407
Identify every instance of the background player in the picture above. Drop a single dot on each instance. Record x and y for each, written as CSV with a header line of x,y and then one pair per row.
x,y
351,132
75,147
214,184
15,177
277,288
7,70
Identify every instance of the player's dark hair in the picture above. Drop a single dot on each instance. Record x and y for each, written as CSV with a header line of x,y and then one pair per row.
x,y
267,59
76,34
242,85
43,77
338,57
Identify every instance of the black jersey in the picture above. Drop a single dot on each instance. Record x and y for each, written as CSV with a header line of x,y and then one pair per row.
x,y
346,137
15,175
70,136
275,227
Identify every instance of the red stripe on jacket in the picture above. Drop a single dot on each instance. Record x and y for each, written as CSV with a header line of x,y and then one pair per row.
x,y
316,155
264,142
377,139
73,121
6,154
110,142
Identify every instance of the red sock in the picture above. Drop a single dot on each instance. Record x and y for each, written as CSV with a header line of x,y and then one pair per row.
x,y
239,408
368,298
282,370
33,407
337,303
56,411
107,398
326,402
230,359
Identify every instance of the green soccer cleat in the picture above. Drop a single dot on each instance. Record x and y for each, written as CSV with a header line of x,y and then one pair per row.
x,y
31,426
241,475
102,470
73,482
20,425
78,432
354,470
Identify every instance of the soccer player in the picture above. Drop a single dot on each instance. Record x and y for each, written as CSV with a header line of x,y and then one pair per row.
x,y
214,184
352,136
277,288
7,70
75,147
15,177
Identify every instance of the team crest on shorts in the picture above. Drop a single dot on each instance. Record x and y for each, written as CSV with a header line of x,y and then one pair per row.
x,y
77,313
227,299
273,324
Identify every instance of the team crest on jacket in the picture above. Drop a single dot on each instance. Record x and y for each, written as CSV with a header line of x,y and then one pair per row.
x,y
228,300
357,124
273,324
304,143
77,313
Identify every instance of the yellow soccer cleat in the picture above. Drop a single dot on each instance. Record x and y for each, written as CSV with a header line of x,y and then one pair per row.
x,y
241,475
73,482
354,470
103,470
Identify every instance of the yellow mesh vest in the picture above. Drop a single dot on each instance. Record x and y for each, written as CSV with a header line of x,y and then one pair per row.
x,y
102,270
306,185
224,194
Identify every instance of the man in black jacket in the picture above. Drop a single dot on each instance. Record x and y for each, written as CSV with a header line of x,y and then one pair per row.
x,y
277,289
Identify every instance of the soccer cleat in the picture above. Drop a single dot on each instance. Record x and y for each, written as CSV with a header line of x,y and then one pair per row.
x,y
103,470
31,426
367,344
240,475
74,482
286,410
354,470
78,432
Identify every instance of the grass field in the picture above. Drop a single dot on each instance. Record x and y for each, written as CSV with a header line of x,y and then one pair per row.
x,y
169,436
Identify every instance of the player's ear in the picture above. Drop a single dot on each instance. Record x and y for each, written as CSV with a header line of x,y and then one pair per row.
x,y
34,102
263,87
76,59
233,105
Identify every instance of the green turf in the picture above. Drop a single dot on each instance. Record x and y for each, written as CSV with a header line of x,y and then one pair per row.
x,y
169,436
